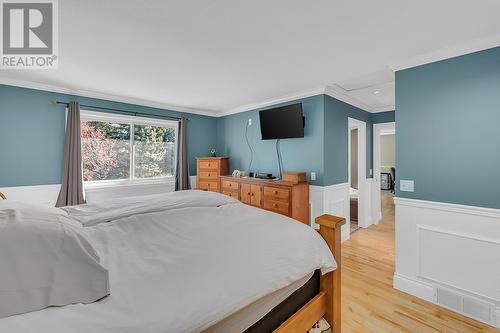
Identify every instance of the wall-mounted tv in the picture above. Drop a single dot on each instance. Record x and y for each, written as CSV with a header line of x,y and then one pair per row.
x,y
285,122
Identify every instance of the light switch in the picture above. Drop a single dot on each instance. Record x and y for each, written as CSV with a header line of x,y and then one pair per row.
x,y
313,175
406,185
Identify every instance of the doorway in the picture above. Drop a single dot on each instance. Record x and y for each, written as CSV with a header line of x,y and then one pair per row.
x,y
384,165
353,179
358,196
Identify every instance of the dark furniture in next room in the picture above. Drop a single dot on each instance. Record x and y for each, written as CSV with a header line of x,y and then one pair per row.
x,y
385,181
393,180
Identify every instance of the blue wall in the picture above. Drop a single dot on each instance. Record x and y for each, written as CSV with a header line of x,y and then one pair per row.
x,y
336,139
32,134
448,137
323,150
32,137
383,117
304,154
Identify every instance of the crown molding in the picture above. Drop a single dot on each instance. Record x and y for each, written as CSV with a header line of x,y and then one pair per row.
x,y
448,52
333,91
274,101
383,109
339,93
105,96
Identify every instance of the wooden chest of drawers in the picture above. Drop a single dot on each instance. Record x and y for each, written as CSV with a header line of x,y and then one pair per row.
x,y
278,196
209,170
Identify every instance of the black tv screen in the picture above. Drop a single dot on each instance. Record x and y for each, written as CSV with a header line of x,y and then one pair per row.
x,y
282,123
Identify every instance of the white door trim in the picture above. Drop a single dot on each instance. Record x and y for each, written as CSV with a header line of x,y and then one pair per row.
x,y
364,215
378,129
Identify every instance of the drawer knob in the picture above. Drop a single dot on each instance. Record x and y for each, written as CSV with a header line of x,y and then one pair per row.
x,y
230,185
276,192
248,193
252,194
275,205
208,175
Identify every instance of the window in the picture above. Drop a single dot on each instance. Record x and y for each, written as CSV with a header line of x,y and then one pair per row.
x,y
118,148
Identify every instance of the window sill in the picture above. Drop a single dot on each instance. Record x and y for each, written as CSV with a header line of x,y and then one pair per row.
x,y
128,183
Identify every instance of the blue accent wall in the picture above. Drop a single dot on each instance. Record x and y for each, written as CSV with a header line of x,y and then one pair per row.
x,y
32,137
324,148
448,142
32,134
336,139
305,154
383,117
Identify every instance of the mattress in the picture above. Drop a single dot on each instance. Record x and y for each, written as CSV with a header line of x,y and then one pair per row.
x,y
251,314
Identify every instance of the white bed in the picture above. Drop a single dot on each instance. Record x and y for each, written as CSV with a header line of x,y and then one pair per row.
x,y
186,262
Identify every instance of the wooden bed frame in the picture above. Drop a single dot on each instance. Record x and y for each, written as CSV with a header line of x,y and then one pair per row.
x,y
327,302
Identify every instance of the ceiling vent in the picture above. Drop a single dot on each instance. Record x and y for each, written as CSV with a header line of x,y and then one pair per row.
x,y
469,306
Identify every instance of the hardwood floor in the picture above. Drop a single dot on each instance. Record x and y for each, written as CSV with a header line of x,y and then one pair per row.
x,y
370,304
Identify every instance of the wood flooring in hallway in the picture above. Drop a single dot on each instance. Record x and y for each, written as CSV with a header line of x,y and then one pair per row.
x,y
371,305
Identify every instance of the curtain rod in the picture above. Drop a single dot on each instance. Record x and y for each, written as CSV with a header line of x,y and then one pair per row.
x,y
148,115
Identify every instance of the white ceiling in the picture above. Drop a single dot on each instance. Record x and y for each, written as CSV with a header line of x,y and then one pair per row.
x,y
223,56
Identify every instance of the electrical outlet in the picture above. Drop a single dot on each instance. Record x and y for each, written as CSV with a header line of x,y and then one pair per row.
x,y
313,175
249,121
406,185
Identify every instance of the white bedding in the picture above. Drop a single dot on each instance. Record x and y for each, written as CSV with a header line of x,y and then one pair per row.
x,y
184,269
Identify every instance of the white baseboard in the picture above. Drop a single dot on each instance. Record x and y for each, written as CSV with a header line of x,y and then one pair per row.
x,y
413,287
448,247
428,292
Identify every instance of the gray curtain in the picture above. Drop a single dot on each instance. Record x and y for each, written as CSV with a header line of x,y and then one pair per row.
x,y
182,175
72,179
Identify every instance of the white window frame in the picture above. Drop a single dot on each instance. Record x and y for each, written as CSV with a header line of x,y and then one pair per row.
x,y
86,115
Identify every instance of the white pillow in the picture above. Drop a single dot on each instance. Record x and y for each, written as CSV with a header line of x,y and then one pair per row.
x,y
46,260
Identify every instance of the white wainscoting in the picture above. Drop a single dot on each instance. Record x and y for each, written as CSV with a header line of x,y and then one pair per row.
x,y
38,194
332,199
47,194
452,249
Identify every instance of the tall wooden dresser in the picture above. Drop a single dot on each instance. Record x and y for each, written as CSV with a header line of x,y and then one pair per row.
x,y
209,170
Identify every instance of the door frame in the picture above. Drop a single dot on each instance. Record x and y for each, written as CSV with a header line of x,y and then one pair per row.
x,y
364,216
379,129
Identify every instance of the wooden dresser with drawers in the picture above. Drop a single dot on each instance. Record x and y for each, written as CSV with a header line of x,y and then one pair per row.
x,y
282,197
209,170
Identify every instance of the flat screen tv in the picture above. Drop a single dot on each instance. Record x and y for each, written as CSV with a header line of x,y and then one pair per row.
x,y
285,122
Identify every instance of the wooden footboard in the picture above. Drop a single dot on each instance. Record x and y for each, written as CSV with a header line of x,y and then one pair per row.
x,y
327,302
